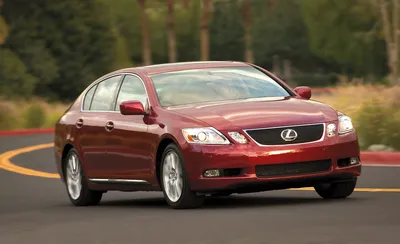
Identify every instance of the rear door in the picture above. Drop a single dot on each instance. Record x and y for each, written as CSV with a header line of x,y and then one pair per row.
x,y
129,146
93,134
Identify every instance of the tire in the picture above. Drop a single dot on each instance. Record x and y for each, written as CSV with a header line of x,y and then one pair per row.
x,y
76,184
174,181
336,190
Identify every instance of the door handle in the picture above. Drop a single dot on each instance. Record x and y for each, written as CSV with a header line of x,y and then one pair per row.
x,y
109,126
79,123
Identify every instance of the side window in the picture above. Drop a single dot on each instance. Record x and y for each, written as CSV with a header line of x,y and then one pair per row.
x,y
131,89
105,94
88,98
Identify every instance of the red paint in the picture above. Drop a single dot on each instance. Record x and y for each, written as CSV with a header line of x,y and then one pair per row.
x,y
304,92
26,132
113,145
132,108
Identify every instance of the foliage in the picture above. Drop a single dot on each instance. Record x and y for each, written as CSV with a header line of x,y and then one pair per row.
x,y
3,30
346,32
373,109
34,116
378,124
14,76
281,32
52,119
226,32
65,45
32,113
7,119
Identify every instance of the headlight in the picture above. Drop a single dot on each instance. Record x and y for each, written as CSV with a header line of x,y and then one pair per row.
x,y
206,135
345,124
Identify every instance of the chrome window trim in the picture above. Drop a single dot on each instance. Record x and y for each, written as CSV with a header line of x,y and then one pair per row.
x,y
118,88
286,126
97,180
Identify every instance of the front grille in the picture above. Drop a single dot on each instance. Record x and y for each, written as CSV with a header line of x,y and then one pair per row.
x,y
289,169
274,136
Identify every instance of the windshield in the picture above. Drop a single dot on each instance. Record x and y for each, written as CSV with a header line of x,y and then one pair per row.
x,y
214,84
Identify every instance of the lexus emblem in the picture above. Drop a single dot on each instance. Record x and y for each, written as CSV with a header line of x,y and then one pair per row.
x,y
289,135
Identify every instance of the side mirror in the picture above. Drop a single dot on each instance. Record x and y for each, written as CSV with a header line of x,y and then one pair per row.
x,y
132,108
303,91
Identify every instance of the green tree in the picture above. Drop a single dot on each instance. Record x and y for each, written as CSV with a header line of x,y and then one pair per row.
x,y
14,76
345,32
3,26
227,32
65,44
279,30
390,16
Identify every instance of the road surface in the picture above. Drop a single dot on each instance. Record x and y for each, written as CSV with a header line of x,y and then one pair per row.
x,y
36,210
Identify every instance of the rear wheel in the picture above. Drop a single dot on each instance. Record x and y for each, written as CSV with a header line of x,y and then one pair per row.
x,y
77,188
174,181
336,190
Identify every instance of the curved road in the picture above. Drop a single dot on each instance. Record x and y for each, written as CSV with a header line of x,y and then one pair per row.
x,y
37,210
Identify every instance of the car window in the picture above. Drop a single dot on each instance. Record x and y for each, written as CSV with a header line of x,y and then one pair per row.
x,y
105,94
88,98
131,89
214,84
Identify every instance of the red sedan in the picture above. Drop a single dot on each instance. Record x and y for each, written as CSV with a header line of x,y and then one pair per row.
x,y
202,128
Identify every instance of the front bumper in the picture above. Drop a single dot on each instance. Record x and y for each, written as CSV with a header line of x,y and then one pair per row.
x,y
199,158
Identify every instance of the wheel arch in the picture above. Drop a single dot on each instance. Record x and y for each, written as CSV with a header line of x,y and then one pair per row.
x,y
164,142
66,149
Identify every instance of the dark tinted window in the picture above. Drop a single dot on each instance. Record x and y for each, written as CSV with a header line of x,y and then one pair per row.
x,y
105,94
88,98
131,89
215,84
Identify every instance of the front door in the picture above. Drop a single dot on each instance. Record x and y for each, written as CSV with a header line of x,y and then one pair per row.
x,y
129,145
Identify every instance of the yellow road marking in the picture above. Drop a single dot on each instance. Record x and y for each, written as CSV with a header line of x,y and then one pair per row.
x,y
7,165
363,189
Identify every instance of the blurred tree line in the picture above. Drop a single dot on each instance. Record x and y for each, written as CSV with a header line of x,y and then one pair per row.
x,y
54,49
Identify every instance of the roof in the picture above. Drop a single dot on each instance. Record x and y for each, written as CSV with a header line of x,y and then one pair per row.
x,y
178,66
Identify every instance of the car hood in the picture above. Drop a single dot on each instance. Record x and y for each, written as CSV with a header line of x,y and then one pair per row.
x,y
258,113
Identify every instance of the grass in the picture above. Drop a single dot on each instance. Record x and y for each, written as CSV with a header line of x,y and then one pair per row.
x,y
350,99
374,111
34,113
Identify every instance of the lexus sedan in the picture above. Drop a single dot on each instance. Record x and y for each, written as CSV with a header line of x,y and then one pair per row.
x,y
199,129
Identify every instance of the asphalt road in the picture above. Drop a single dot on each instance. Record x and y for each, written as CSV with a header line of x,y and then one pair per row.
x,y
37,210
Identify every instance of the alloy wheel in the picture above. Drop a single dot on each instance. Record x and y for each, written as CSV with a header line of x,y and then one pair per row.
x,y
73,177
172,176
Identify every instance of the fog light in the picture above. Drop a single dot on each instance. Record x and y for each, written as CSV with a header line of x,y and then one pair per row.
x,y
212,173
331,130
238,137
354,160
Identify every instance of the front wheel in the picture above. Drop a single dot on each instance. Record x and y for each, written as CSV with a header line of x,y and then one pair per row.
x,y
77,188
336,190
175,184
